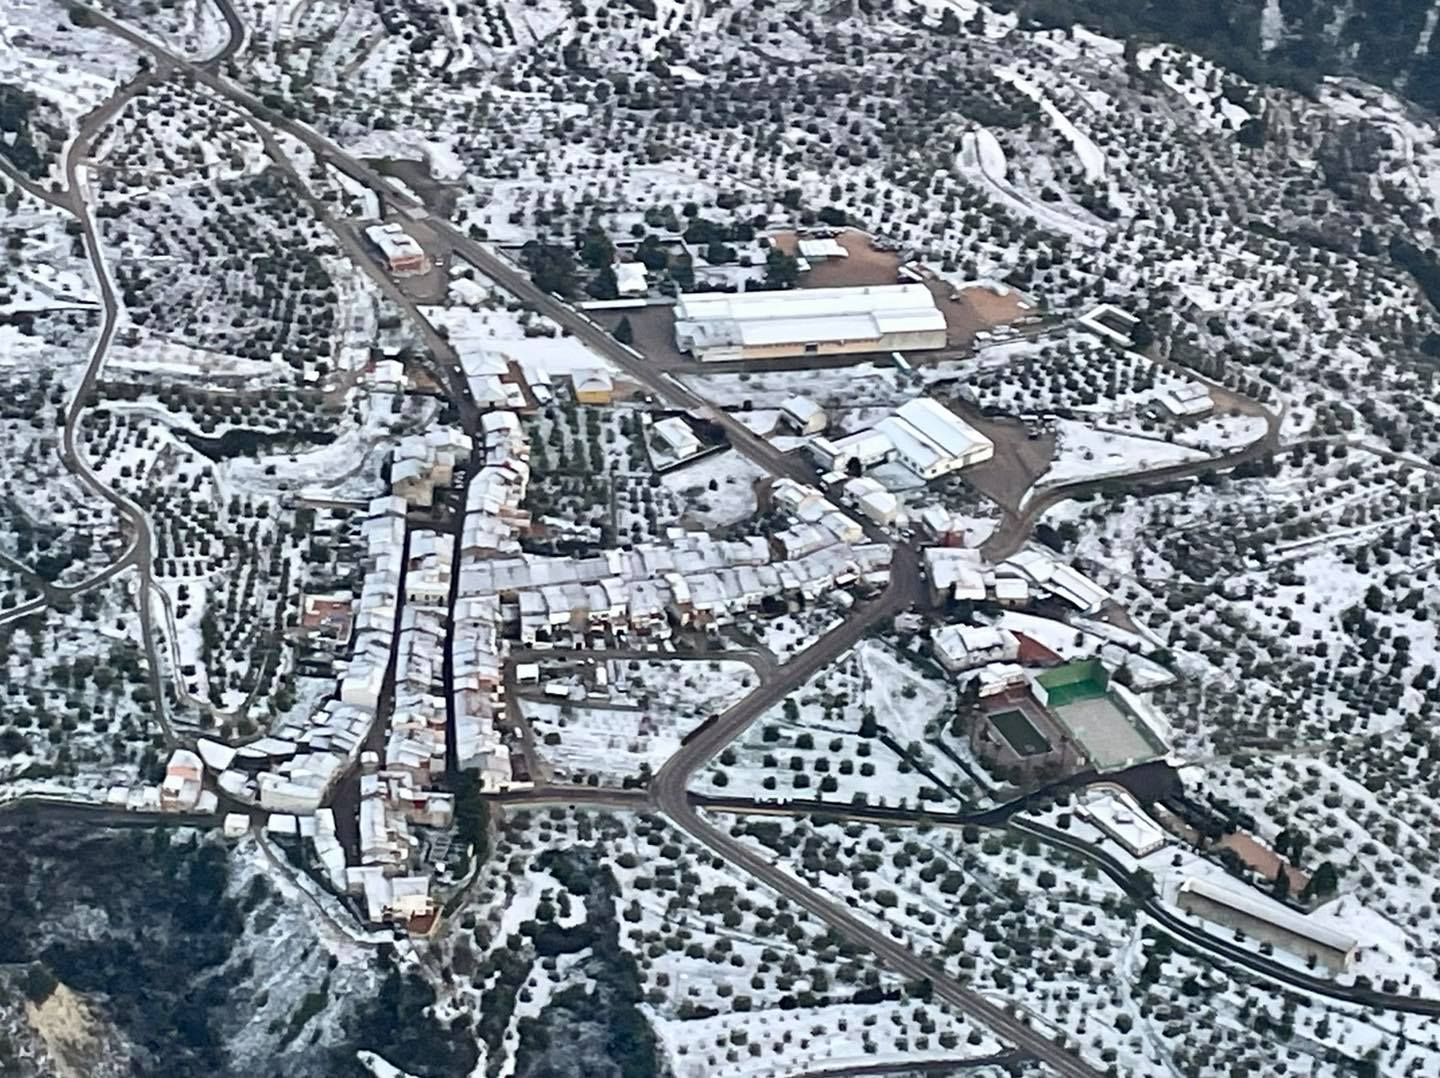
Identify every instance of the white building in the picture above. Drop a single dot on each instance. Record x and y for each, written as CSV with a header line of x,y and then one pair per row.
x,y
402,253
956,572
961,442
184,775
1188,401
630,279
804,415
676,437
1040,569
914,450
808,321
818,249
1119,815
961,647
865,448
872,499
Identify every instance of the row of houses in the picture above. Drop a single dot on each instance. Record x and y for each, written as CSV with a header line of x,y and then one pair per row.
x,y
962,574
294,769
491,529
691,580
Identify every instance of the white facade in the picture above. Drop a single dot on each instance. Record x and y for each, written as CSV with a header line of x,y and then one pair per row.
x,y
961,647
808,321
866,447
873,500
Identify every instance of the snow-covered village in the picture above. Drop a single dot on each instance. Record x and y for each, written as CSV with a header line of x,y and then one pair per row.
x,y
739,538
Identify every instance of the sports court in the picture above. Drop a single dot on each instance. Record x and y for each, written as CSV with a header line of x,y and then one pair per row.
x,y
1111,737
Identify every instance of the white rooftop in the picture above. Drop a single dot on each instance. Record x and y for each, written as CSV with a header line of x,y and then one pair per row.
x,y
807,314
1251,902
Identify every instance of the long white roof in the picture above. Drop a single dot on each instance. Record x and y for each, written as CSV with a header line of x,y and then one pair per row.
x,y
1255,904
941,426
809,314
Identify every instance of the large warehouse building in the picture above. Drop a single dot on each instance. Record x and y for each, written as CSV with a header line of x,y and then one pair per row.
x,y
808,321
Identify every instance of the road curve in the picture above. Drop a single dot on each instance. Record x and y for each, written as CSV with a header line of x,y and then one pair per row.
x,y
669,788
1244,955
671,795
74,460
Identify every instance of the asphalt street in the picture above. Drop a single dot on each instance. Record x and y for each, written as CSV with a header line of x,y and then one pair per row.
x,y
669,790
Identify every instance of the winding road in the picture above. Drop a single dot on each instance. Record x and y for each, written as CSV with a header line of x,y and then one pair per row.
x,y
669,790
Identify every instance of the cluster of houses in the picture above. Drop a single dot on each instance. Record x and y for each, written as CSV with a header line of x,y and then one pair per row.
x,y
422,462
962,574
295,768
692,580
182,789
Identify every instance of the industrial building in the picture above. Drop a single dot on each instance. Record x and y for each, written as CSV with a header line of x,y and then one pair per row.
x,y
808,321
401,251
924,435
961,443
1268,921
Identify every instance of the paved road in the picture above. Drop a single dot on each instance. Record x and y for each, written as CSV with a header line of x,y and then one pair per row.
x,y
762,662
1015,528
140,553
1243,954
671,794
932,1066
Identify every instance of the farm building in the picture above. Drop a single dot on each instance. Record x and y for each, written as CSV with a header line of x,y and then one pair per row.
x,y
808,321
1268,921
401,251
